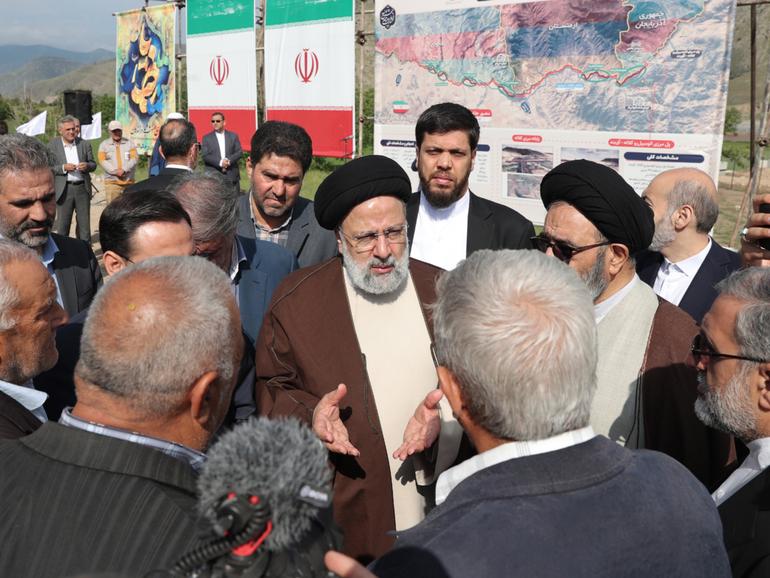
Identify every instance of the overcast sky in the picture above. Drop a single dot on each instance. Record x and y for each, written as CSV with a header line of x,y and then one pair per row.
x,y
80,25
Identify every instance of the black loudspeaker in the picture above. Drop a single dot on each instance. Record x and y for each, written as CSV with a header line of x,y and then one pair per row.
x,y
78,104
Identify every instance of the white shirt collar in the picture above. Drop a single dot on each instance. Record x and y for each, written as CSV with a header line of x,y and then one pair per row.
x,y
602,309
30,398
238,257
457,210
452,477
50,249
690,265
175,166
754,464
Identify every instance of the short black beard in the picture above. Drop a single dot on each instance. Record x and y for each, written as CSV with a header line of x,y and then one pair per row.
x,y
441,200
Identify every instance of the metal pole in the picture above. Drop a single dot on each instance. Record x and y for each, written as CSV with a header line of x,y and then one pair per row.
x,y
361,43
753,84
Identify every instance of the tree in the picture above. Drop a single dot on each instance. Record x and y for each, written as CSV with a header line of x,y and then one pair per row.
x,y
6,110
732,120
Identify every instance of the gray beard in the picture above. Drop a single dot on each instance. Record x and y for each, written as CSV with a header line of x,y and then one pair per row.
x,y
664,234
728,410
362,278
595,279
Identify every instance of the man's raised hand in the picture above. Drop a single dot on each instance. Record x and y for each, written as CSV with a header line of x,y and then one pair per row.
x,y
328,425
423,427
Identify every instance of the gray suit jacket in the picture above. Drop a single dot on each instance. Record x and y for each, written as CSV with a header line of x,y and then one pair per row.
x,y
74,502
85,154
308,241
77,273
233,151
590,510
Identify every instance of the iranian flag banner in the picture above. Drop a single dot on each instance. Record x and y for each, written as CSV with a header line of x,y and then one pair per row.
x,y
310,70
222,66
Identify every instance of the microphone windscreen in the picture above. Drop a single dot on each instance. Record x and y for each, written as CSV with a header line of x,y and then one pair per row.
x,y
281,461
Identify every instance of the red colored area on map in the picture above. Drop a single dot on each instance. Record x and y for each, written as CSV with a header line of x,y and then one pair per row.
x,y
557,12
445,46
527,138
641,143
647,40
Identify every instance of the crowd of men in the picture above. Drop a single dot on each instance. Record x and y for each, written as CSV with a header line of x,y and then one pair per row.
x,y
493,401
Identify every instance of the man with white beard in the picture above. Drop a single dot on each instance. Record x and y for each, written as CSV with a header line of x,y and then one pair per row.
x,y
733,356
347,346
684,262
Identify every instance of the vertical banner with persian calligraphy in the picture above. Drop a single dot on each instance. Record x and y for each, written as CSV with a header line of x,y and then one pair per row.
x,y
310,70
222,65
145,72
637,86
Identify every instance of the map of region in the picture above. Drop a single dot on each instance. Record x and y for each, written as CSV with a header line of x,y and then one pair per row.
x,y
610,65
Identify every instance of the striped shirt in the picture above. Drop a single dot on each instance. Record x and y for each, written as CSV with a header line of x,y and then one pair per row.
x,y
278,235
195,458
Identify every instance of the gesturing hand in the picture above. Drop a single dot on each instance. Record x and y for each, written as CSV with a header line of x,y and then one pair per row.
x,y
423,427
328,426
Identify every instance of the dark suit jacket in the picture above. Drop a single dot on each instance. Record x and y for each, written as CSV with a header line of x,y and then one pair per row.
x,y
308,241
157,183
212,156
697,300
612,512
85,154
15,420
74,502
77,273
490,225
746,526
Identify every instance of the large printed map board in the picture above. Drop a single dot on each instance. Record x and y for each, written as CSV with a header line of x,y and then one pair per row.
x,y
638,85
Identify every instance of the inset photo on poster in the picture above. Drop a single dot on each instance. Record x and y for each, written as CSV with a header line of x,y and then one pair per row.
x,y
607,157
527,160
523,186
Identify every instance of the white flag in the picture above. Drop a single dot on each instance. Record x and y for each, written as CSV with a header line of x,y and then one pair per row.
x,y
35,126
94,130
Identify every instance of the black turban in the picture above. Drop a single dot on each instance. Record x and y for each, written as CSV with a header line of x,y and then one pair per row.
x,y
355,182
604,198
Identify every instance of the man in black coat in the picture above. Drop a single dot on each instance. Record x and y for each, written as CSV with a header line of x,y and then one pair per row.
x,y
179,146
27,211
733,356
545,496
221,150
684,263
111,487
447,222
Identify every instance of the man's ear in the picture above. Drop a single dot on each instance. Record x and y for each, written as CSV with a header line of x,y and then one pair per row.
x,y
682,217
618,256
764,387
160,150
249,167
113,262
451,389
204,400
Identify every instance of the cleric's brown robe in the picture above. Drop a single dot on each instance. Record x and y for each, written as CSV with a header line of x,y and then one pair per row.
x,y
306,347
669,391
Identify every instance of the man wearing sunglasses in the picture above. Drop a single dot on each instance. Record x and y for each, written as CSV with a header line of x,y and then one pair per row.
x,y
596,223
346,345
732,352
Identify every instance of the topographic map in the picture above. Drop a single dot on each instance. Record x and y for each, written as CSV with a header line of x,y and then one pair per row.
x,y
601,65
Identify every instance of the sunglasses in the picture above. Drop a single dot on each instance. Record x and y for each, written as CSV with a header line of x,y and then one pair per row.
x,y
562,250
701,347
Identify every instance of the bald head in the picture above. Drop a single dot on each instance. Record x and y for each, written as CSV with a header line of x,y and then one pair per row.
x,y
685,205
155,329
177,138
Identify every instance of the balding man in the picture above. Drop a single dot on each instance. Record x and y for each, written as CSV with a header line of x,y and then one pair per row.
x,y
179,146
29,316
684,263
597,223
111,487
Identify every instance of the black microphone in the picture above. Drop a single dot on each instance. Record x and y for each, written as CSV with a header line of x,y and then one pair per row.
x,y
265,492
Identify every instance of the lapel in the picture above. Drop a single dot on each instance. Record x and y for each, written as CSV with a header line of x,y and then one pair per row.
x,y
701,289
300,227
65,276
412,208
740,513
480,233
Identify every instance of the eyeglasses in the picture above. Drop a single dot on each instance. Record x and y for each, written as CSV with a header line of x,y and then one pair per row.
x,y
215,121
701,347
365,243
561,250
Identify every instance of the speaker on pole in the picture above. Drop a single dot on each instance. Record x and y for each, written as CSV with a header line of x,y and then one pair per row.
x,y
78,104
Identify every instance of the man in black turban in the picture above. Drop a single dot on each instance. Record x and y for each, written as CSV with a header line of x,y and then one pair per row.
x,y
346,346
646,390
